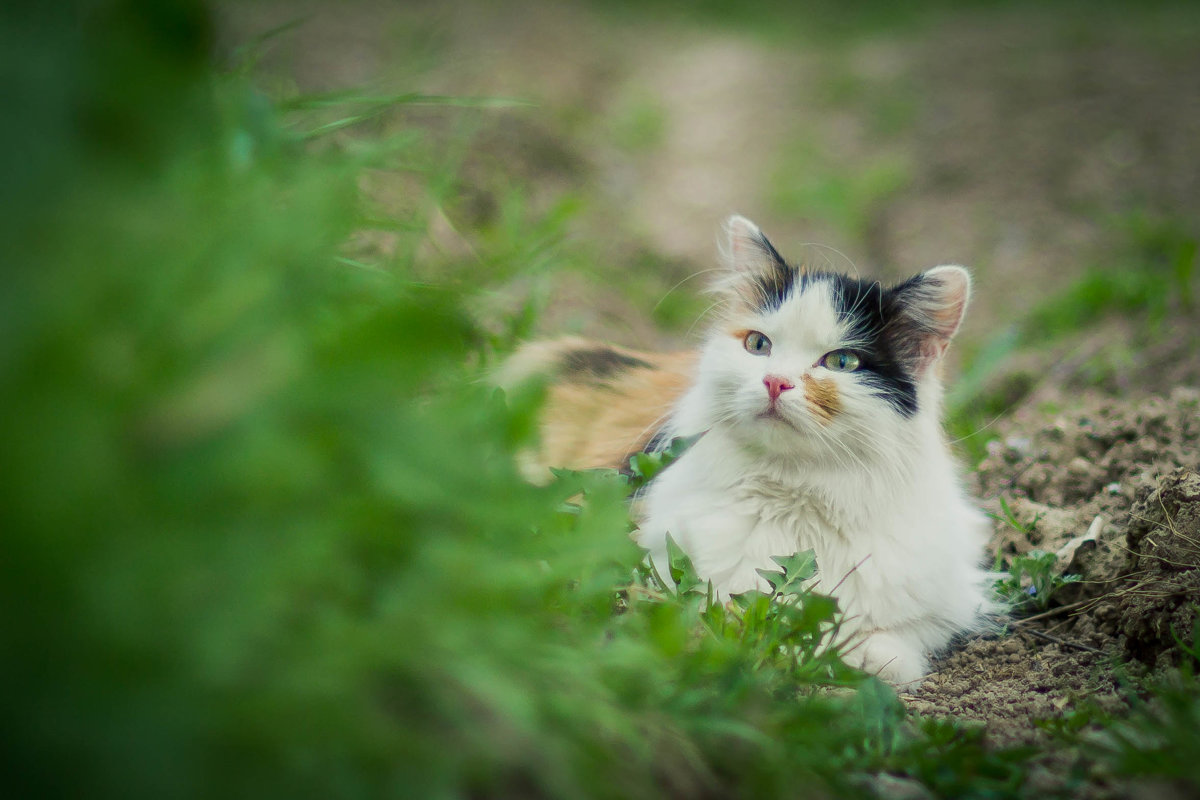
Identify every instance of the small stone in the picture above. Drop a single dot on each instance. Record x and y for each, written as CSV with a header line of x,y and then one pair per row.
x,y
1079,466
1021,445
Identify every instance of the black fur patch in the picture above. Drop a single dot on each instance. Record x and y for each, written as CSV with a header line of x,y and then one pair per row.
x,y
598,362
773,286
658,441
886,337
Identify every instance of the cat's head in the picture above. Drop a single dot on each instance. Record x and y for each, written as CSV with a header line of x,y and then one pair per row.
x,y
818,362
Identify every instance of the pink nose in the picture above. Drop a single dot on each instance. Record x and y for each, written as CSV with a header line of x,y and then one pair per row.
x,y
777,386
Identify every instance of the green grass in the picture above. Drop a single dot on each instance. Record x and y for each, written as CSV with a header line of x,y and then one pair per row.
x,y
1158,743
638,124
1030,581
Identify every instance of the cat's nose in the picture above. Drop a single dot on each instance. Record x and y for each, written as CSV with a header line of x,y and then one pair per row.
x,y
777,386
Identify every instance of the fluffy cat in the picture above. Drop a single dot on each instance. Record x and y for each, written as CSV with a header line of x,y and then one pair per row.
x,y
819,397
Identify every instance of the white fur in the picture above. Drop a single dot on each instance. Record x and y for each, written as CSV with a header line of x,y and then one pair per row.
x,y
875,495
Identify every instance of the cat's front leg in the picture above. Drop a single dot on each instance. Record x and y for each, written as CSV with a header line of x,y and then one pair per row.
x,y
892,656
715,541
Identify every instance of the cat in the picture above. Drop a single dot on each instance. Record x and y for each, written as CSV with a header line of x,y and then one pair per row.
x,y
818,397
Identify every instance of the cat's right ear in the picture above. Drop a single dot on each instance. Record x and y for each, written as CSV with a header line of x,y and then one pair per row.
x,y
754,271
930,309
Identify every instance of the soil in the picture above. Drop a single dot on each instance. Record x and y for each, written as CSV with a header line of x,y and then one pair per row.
x,y
1112,487
1029,143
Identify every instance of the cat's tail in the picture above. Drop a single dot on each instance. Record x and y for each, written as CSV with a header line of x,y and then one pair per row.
x,y
535,362
602,402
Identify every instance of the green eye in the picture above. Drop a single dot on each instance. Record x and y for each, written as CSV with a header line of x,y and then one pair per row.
x,y
840,361
757,344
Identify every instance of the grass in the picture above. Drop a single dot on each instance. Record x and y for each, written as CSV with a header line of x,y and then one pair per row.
x,y
822,22
638,124
1159,741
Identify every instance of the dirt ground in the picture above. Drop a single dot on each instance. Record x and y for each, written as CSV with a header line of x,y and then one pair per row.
x,y
1112,487
1030,144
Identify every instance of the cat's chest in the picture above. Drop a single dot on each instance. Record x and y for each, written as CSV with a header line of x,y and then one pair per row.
x,y
808,514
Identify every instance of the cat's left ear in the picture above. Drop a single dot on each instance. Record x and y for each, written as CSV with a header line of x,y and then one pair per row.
x,y
932,306
754,271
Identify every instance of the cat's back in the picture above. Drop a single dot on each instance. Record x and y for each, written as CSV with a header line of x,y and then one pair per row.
x,y
603,402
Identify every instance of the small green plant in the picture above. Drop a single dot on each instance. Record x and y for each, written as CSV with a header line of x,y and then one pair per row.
x,y
645,465
1006,515
1161,738
953,759
1030,581
1081,716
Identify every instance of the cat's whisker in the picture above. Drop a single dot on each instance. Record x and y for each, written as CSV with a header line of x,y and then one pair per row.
x,y
829,439
878,445
715,304
693,276
853,268
981,429
852,312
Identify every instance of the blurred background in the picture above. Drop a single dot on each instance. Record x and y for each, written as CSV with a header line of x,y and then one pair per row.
x,y
1049,147
264,535
1033,142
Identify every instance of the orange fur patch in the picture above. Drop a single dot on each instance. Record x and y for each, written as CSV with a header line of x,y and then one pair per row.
x,y
601,421
822,397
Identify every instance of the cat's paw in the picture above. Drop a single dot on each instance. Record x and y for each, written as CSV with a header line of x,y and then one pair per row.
x,y
890,657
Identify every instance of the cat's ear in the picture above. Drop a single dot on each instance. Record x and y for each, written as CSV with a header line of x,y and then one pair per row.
x,y
754,270
930,309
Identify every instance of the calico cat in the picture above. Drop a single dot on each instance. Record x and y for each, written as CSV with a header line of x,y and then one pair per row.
x,y
819,399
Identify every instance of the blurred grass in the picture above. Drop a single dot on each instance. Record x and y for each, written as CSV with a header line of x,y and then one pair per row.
x,y
808,184
1159,742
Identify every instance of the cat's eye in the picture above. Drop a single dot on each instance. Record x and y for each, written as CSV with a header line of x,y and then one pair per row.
x,y
840,361
757,343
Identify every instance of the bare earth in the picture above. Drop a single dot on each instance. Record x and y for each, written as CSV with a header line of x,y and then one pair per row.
x,y
1113,488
